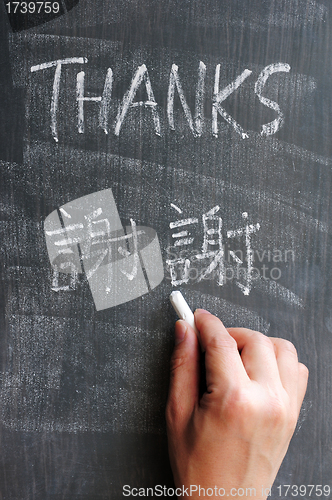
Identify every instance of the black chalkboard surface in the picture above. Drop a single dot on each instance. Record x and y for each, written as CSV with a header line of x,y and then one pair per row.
x,y
144,147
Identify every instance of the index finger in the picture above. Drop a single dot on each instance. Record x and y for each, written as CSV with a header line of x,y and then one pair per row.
x,y
223,363
258,355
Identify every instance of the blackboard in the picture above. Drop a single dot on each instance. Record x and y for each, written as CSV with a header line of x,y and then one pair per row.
x,y
147,146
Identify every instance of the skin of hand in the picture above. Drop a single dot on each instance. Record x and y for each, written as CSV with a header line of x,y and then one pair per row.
x,y
237,433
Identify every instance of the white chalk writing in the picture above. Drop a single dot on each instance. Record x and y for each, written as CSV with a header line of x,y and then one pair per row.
x,y
141,77
187,264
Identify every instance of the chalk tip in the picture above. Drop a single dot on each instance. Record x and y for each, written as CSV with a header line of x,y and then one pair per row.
x,y
175,293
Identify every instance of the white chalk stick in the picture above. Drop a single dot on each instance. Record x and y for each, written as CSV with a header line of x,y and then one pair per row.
x,y
182,309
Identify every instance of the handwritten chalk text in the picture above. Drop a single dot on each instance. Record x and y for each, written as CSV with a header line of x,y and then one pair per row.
x,y
141,81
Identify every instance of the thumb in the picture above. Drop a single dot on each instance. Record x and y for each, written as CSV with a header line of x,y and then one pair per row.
x,y
184,376
223,363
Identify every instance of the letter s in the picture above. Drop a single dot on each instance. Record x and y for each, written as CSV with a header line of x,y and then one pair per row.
x,y
126,490
271,127
158,490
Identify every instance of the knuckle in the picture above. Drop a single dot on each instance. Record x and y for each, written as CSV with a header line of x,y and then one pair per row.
x,y
282,416
222,343
260,338
239,405
266,341
288,346
174,415
278,412
170,414
178,359
272,412
291,421
303,371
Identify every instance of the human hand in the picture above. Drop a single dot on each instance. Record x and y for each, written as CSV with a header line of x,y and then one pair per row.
x,y
236,435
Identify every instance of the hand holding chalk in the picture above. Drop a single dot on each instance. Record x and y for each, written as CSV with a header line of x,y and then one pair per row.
x,y
236,434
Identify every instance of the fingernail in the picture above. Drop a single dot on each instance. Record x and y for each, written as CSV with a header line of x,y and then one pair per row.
x,y
180,331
